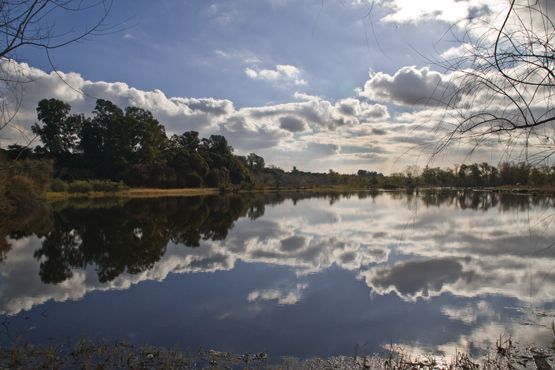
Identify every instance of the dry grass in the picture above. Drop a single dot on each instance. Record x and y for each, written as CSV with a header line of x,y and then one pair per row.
x,y
132,193
183,192
102,355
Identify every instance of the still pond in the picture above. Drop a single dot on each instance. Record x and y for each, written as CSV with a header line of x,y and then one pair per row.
x,y
293,273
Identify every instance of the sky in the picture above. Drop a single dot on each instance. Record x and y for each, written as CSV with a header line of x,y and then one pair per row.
x,y
316,84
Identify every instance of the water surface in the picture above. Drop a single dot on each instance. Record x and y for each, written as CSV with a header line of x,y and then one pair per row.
x,y
290,274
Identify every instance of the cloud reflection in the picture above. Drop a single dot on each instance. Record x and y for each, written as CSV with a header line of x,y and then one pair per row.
x,y
416,247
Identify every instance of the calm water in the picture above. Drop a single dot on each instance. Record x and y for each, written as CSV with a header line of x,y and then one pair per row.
x,y
289,274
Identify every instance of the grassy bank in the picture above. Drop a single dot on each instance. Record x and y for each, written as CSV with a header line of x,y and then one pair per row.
x,y
132,193
183,192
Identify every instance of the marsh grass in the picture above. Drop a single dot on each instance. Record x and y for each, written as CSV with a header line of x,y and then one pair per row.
x,y
100,355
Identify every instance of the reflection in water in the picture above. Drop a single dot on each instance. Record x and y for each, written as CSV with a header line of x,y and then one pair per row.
x,y
133,237
449,262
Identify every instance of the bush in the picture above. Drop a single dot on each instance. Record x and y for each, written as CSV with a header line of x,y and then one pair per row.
x,y
59,186
105,186
21,193
193,180
39,172
4,204
80,186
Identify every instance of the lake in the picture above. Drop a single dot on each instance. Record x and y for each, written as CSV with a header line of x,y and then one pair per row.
x,y
293,273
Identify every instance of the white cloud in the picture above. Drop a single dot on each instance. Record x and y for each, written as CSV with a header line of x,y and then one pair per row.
x,y
456,52
283,73
274,131
281,133
410,86
451,11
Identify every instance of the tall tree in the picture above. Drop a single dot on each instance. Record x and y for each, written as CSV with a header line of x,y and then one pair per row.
x,y
106,140
148,135
255,162
59,132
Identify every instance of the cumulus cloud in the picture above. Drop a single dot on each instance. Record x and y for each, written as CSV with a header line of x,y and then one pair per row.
x,y
278,132
177,114
321,113
283,73
293,124
351,108
249,134
410,86
323,149
451,11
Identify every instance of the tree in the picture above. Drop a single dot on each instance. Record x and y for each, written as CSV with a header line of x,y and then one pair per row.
x,y
148,135
190,141
255,162
506,81
107,139
32,23
59,132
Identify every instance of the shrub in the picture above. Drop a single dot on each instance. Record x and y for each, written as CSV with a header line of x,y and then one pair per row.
x,y
193,180
106,186
21,193
59,186
39,172
80,186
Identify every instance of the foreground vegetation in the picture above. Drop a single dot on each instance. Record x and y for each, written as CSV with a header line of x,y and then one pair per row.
x,y
87,355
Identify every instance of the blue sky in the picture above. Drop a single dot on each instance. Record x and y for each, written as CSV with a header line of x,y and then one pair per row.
x,y
338,83
201,48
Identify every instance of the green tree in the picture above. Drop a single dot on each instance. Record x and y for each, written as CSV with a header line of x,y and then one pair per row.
x,y
255,162
106,140
59,132
190,141
147,136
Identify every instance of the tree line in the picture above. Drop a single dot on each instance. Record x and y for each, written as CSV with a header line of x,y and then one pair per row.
x,y
480,175
129,147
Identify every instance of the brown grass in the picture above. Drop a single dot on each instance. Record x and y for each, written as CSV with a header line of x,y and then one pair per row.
x,y
132,193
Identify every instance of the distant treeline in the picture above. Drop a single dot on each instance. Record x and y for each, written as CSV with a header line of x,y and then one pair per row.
x,y
473,175
115,148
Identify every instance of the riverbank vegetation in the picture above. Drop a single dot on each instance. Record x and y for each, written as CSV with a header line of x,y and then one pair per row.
x,y
118,150
88,354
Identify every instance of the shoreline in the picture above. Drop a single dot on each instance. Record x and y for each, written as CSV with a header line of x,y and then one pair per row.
x,y
123,354
187,192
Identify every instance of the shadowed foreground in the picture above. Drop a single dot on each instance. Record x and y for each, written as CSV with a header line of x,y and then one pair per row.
x,y
87,355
